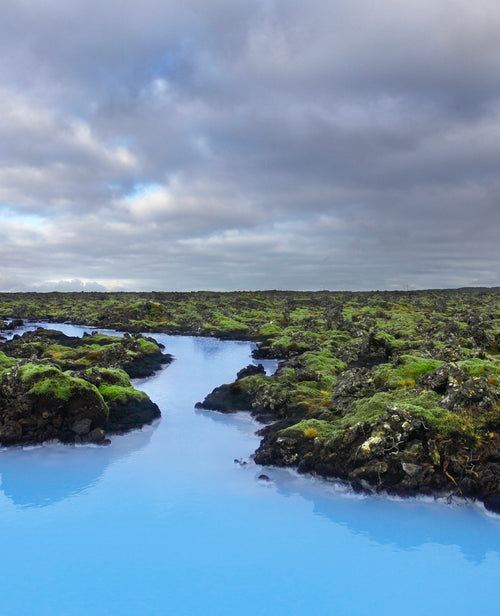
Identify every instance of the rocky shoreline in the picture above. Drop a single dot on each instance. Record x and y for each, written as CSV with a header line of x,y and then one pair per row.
x,y
388,391
75,390
395,416
396,452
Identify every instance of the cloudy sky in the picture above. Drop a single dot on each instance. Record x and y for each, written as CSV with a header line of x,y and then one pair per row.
x,y
249,144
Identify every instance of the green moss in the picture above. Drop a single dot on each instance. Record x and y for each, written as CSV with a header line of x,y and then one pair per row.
x,y
478,367
226,323
392,342
54,388
308,393
51,382
31,373
147,347
323,362
270,329
99,339
286,345
116,393
6,362
310,428
374,407
339,338
406,373
113,376
325,366
447,424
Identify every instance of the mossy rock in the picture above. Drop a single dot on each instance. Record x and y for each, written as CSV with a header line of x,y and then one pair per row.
x,y
229,398
47,403
6,362
310,428
108,376
128,408
404,375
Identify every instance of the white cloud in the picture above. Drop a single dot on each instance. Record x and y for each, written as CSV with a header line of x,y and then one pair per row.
x,y
69,286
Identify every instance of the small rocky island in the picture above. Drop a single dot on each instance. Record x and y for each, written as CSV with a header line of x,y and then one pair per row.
x,y
75,390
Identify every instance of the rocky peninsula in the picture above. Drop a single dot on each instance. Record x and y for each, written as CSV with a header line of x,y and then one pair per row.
x,y
75,390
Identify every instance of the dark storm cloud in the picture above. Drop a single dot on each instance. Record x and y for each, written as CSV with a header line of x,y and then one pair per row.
x,y
252,144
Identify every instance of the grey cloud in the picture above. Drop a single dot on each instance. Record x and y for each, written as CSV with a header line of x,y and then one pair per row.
x,y
285,144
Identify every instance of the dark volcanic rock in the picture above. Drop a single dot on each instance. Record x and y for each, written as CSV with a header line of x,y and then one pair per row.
x,y
439,379
492,502
227,399
352,384
250,370
474,392
397,453
131,413
393,453
145,363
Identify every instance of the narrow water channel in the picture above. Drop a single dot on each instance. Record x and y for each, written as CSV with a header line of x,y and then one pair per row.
x,y
164,522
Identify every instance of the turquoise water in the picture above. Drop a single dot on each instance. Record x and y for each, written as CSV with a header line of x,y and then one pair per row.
x,y
163,521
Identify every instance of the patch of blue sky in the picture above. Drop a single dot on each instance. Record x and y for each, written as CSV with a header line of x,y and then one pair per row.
x,y
143,189
8,213
169,64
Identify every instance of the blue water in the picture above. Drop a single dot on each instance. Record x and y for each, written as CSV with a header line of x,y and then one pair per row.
x,y
163,521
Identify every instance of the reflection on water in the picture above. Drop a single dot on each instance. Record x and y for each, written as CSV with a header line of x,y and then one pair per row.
x,y
209,348
406,523
40,476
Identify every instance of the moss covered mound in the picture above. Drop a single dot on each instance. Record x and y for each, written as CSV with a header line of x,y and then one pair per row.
x,y
139,356
39,403
54,386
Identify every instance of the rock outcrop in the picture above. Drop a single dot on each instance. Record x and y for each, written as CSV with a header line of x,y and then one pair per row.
x,y
75,390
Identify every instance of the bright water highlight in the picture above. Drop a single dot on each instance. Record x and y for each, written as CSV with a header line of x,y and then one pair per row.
x,y
163,521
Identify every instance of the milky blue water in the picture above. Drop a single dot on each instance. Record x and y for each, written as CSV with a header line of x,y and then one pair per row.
x,y
163,521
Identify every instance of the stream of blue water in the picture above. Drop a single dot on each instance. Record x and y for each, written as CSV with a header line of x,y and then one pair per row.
x,y
164,522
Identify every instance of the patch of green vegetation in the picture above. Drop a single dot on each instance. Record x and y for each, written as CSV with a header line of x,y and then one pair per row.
x,y
310,428
324,363
270,329
308,394
116,393
6,362
98,339
51,382
286,345
406,373
226,323
147,347
31,373
115,376
468,425
59,353
339,339
479,367
367,409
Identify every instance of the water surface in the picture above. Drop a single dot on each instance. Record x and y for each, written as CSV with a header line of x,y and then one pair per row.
x,y
163,521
